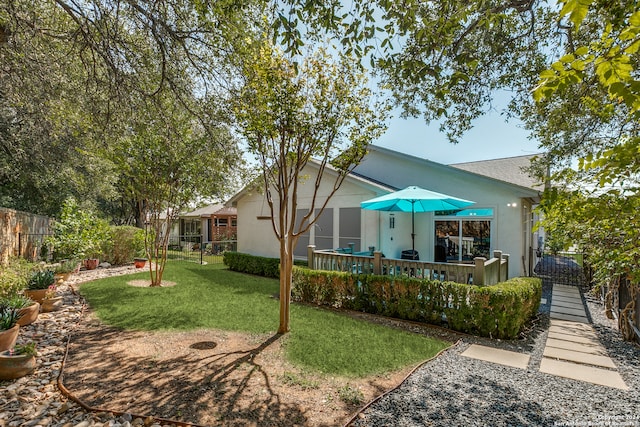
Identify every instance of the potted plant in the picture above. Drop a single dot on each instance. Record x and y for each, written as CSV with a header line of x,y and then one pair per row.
x,y
51,302
17,361
8,327
65,269
38,284
139,262
28,309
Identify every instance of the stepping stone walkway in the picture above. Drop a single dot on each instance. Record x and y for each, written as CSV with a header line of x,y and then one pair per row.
x,y
572,349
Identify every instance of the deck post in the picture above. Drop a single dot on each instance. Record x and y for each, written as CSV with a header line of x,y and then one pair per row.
x,y
377,263
498,254
506,265
310,254
478,273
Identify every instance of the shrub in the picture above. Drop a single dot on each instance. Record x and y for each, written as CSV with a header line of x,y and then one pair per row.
x,y
125,243
13,277
498,311
78,233
251,264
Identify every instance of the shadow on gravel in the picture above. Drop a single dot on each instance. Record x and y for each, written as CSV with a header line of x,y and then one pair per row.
x,y
472,401
203,386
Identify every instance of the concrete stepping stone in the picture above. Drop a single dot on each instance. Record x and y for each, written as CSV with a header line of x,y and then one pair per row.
x,y
569,304
573,318
565,301
571,325
495,355
578,357
573,337
584,347
584,373
565,294
567,310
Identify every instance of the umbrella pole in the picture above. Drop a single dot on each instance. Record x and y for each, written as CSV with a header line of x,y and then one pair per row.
x,y
413,234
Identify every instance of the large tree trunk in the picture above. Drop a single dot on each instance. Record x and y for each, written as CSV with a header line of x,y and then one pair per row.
x,y
286,269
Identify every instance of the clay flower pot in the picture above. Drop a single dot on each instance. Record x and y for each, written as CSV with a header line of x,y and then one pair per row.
x,y
62,277
14,366
139,262
29,314
8,338
36,294
51,304
91,263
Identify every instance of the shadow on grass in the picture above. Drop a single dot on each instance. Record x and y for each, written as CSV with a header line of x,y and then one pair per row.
x,y
198,383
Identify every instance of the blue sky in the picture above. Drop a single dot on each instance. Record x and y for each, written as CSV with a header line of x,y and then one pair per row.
x,y
491,138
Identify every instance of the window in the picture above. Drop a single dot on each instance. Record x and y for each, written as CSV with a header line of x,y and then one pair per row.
x,y
190,227
350,228
324,229
221,222
463,238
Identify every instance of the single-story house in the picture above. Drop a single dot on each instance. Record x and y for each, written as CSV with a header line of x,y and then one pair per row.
x,y
502,217
213,222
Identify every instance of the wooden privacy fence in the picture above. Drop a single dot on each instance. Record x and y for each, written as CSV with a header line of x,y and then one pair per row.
x,y
22,234
482,272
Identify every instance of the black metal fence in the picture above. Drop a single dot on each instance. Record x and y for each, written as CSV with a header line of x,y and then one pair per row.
x,y
565,268
192,248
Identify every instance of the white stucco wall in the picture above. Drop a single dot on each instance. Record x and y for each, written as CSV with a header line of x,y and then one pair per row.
x,y
510,225
256,236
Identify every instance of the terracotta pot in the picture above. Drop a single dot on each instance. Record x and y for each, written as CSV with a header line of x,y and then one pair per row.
x,y
51,304
62,277
16,366
8,338
36,294
28,315
91,264
139,262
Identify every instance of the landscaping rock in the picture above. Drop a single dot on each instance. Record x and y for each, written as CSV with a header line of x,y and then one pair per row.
x,y
34,400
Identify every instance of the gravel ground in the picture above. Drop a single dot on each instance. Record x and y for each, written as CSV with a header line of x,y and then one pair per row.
x,y
453,390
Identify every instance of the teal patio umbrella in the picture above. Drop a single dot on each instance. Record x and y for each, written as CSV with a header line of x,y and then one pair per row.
x,y
415,199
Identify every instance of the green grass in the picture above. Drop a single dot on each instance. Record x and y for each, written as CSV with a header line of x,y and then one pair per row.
x,y
211,296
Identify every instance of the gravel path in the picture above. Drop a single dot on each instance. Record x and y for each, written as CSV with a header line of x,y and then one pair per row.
x,y
453,390
35,400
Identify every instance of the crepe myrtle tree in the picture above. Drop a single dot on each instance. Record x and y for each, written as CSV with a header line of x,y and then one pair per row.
x,y
319,110
172,161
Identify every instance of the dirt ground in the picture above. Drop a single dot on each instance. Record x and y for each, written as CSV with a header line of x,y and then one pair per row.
x,y
211,377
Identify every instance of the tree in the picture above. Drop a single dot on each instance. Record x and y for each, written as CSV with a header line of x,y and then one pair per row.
x,y
71,74
292,114
591,96
171,161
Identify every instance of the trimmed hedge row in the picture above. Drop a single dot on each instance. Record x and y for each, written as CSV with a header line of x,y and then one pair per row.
x,y
251,264
498,311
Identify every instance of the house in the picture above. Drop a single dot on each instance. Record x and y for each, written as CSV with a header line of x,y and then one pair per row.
x,y
213,222
501,218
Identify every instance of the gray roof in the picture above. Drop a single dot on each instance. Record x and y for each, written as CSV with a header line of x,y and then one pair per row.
x,y
209,210
509,169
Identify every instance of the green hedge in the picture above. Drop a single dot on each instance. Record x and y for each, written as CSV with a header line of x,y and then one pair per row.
x,y
498,311
244,263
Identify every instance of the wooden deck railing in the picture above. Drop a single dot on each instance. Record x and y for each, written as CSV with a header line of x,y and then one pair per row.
x,y
483,272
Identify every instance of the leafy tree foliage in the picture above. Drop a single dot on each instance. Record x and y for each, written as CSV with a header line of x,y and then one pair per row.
x,y
319,111
592,97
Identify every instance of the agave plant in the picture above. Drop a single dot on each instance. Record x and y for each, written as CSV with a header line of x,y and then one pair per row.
x,y
16,301
41,280
8,317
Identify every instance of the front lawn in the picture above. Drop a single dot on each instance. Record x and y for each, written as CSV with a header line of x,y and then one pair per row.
x,y
211,296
